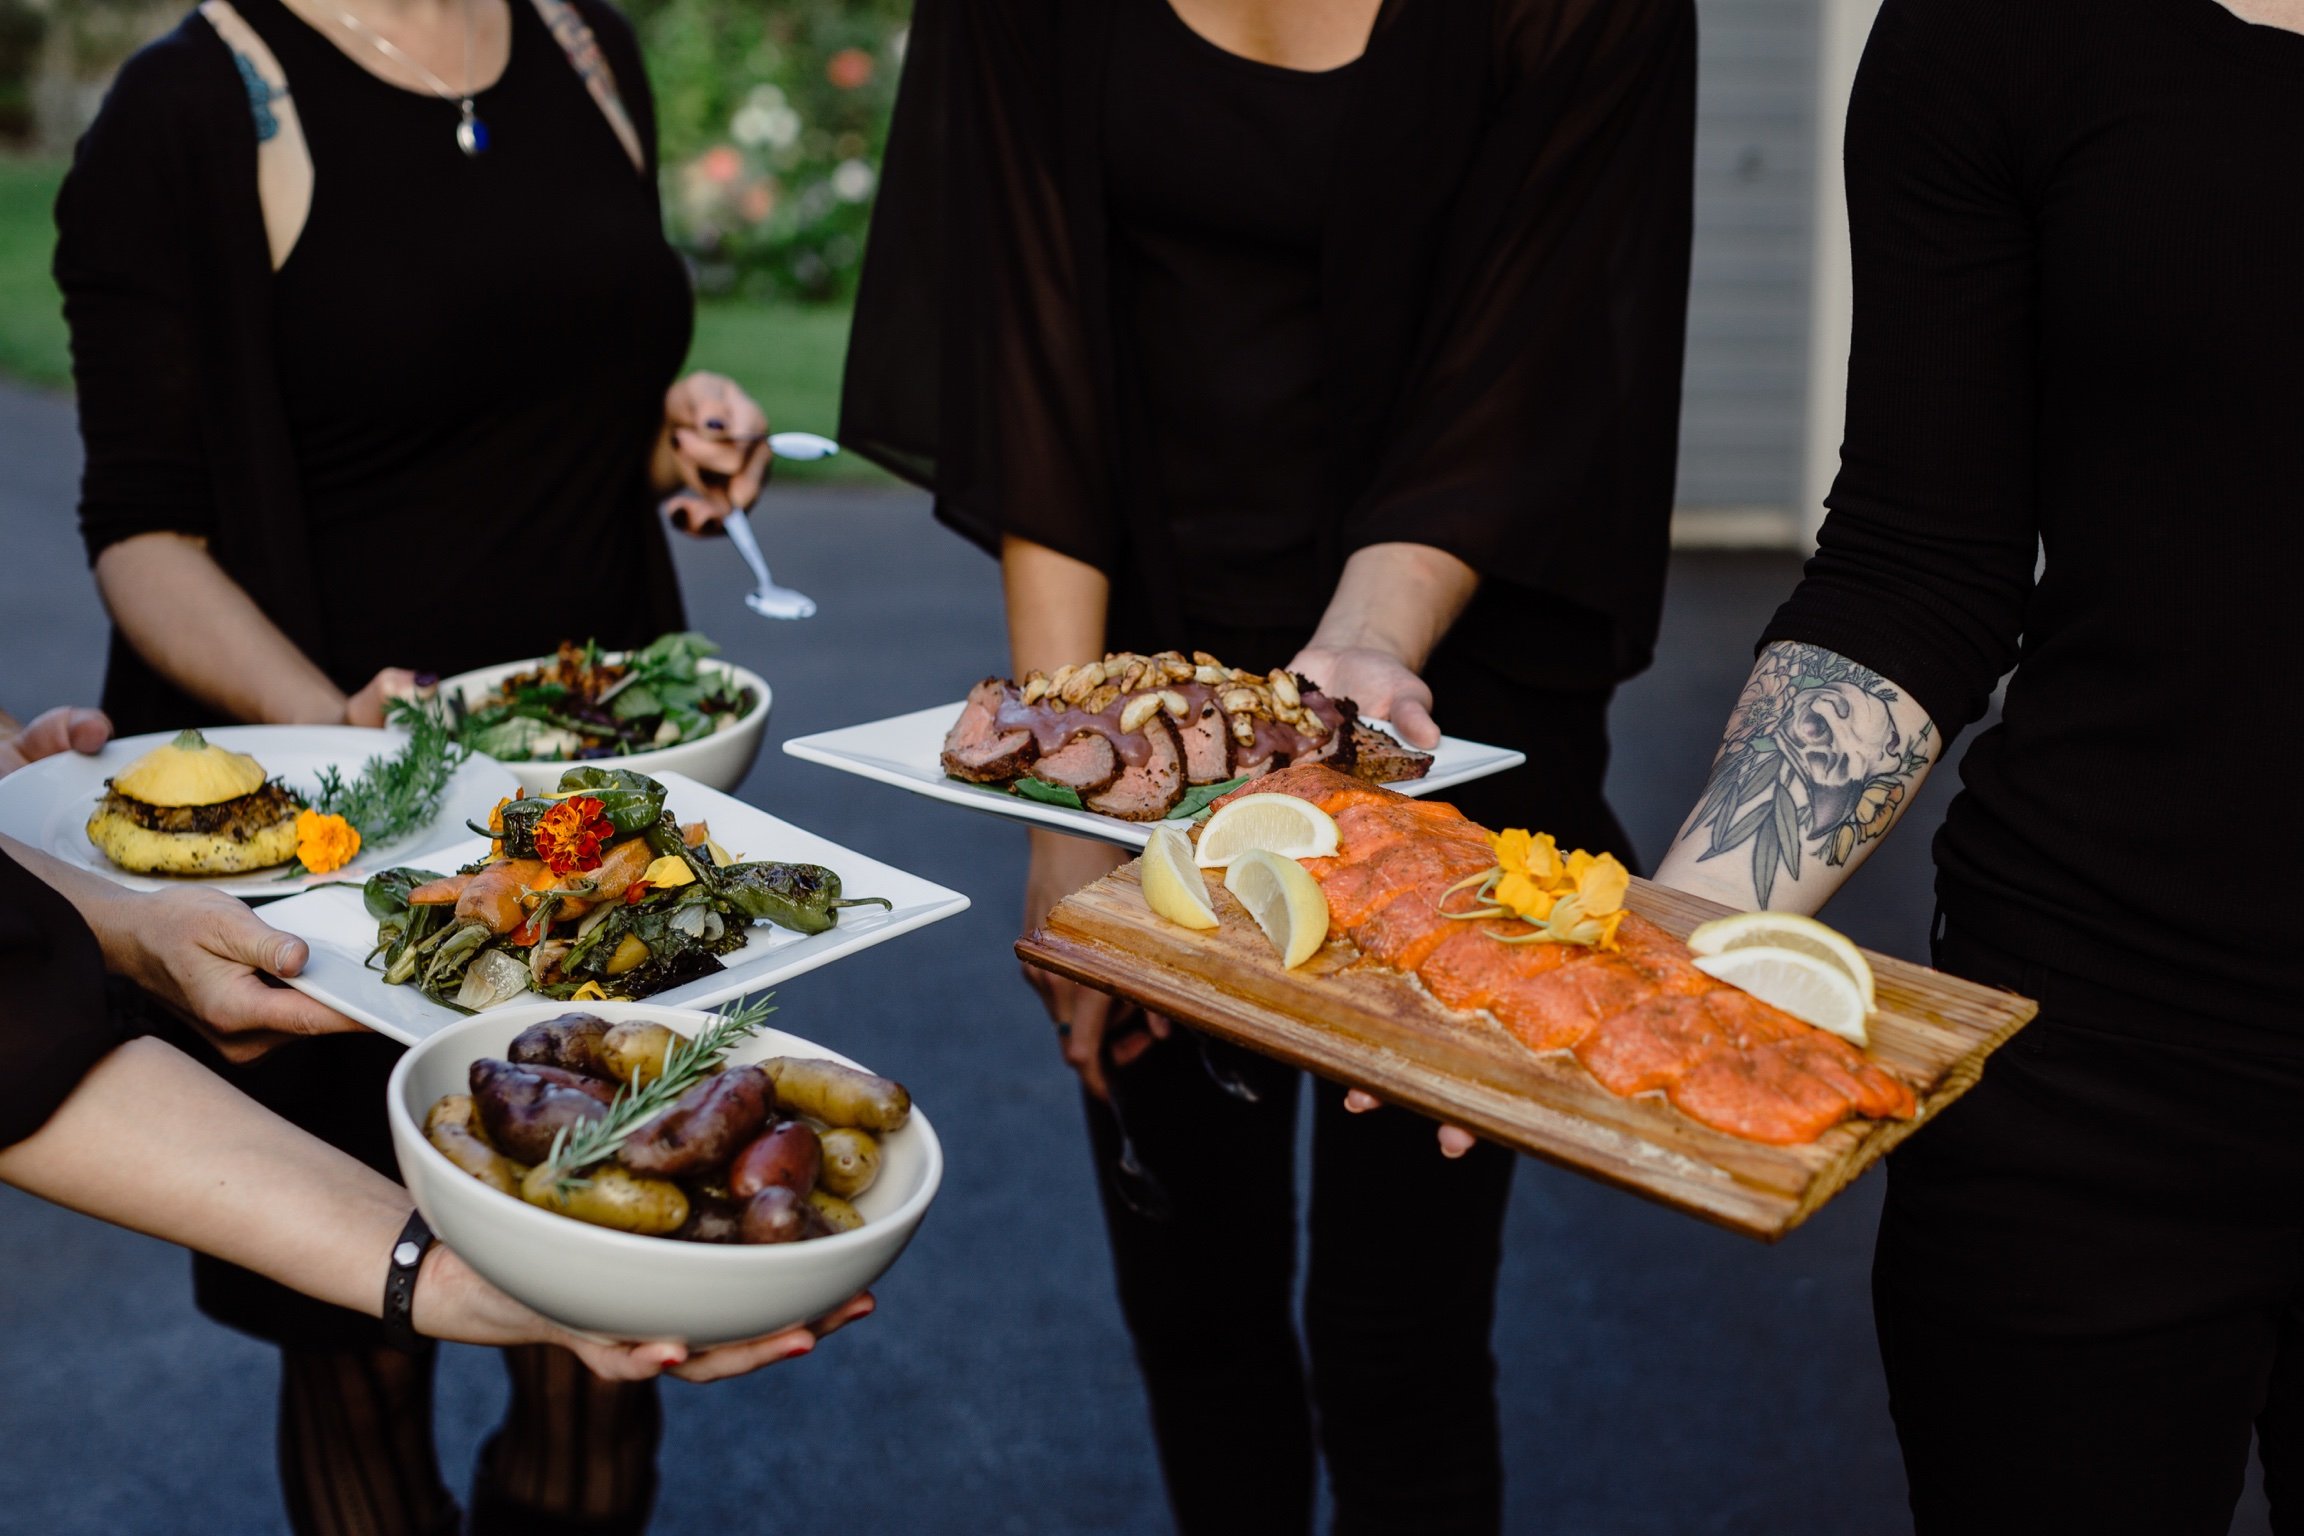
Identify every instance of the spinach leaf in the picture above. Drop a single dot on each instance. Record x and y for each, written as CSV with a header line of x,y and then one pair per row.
x,y
1046,793
1199,797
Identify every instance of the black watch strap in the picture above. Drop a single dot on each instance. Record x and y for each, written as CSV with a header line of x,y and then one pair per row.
x,y
408,1252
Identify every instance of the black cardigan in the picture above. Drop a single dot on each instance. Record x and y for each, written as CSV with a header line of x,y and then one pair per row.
x,y
1504,295
167,280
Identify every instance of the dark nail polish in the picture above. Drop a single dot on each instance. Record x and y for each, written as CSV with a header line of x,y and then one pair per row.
x,y
427,679
715,425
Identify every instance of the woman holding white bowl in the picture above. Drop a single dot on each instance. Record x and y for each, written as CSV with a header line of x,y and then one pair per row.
x,y
376,340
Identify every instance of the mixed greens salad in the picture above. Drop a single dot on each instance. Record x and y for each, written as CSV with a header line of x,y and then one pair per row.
x,y
583,704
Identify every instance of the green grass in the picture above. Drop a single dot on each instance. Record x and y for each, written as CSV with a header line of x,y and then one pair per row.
x,y
787,356
31,318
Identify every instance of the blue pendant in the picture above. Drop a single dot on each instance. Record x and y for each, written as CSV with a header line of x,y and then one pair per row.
x,y
471,133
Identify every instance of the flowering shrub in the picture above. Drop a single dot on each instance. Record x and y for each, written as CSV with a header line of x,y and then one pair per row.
x,y
772,119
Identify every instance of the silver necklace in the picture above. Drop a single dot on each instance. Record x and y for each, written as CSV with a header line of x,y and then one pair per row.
x,y
471,133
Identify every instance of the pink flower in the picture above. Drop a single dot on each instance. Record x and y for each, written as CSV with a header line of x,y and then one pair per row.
x,y
849,69
720,163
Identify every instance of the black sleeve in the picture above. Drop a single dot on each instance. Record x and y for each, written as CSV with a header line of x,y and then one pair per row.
x,y
1925,563
970,367
55,1025
1549,388
125,265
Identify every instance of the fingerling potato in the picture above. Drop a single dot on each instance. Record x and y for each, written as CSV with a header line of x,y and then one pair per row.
x,y
839,1095
609,1196
453,1126
851,1162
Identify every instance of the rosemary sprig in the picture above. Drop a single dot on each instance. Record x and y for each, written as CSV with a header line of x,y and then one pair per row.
x,y
390,797
591,1142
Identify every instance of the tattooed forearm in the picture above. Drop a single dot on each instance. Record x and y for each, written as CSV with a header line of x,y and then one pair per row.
x,y
1820,757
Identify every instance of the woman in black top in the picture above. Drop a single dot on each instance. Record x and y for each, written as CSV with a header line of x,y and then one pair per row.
x,y
1306,335
354,396
2072,449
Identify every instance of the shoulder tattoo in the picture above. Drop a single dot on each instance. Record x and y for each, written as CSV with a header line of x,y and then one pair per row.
x,y
261,94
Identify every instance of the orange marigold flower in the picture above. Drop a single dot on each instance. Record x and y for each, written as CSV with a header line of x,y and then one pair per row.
x,y
325,843
568,836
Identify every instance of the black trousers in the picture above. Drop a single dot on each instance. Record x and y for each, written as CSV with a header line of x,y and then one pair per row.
x,y
1393,1380
2089,1284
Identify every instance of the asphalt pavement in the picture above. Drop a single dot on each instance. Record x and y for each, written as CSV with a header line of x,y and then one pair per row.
x,y
1659,1377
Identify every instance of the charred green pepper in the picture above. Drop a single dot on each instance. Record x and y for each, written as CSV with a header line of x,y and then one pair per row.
x,y
385,895
631,801
802,897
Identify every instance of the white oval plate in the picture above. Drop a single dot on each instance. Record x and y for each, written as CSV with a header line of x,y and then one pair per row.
x,y
47,805
907,751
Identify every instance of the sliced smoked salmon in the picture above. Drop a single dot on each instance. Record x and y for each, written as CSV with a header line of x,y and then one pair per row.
x,y
1641,1018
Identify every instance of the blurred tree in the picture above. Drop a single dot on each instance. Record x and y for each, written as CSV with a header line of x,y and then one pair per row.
x,y
772,118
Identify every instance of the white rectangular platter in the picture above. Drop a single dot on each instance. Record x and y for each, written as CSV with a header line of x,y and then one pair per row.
x,y
340,932
907,751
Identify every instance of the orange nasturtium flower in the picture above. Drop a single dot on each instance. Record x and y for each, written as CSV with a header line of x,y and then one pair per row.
x,y
325,843
496,824
568,836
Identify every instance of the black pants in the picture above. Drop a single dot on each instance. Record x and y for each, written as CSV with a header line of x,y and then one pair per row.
x,y
1393,1380
2089,1285
1398,1302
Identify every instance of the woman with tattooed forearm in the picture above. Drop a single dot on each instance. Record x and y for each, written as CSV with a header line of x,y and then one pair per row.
x,y
2077,317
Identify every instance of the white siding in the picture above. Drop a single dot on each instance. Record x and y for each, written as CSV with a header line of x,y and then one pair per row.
x,y
1742,421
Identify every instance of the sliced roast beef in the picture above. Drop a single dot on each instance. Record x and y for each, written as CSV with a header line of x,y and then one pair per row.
x,y
977,750
1085,764
1206,736
1378,759
1338,746
1149,787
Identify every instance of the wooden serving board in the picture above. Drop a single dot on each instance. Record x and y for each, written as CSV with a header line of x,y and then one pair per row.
x,y
1367,1026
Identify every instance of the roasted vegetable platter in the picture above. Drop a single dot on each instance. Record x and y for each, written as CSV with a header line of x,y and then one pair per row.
x,y
753,901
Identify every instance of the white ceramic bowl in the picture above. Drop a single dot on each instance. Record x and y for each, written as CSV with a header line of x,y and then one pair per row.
x,y
621,1285
720,759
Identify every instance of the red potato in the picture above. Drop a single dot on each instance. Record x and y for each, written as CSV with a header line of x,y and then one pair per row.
x,y
707,1127
787,1155
572,1041
523,1107
776,1215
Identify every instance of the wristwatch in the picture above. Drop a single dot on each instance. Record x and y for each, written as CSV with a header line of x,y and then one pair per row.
x,y
408,1252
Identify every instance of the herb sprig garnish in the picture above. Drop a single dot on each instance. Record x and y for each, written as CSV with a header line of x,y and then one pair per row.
x,y
391,797
688,1062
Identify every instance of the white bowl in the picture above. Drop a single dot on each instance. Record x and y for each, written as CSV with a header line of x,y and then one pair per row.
x,y
720,759
621,1285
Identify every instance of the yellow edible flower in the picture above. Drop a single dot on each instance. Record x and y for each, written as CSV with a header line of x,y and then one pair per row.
x,y
1578,899
1601,882
590,992
325,843
669,873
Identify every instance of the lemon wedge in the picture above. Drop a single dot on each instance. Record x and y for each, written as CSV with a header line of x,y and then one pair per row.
x,y
1281,824
1787,930
1287,903
1172,887
1811,990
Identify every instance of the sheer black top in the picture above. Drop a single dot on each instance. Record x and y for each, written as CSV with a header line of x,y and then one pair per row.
x,y
1437,296
2078,321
